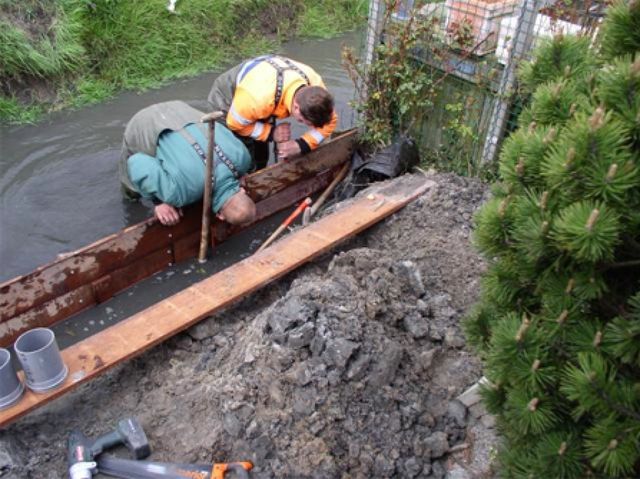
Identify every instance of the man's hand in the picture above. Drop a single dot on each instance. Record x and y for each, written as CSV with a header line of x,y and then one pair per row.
x,y
288,149
282,132
167,214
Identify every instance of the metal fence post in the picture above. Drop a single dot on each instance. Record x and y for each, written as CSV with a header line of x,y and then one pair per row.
x,y
374,27
521,44
374,32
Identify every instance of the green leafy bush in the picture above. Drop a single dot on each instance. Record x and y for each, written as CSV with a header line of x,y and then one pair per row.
x,y
394,87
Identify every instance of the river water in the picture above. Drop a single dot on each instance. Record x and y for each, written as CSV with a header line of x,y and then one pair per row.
x,y
59,189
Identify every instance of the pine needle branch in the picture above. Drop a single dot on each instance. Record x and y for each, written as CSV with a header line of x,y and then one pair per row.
x,y
617,407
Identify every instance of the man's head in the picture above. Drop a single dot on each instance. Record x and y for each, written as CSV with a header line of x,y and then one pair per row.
x,y
239,209
313,106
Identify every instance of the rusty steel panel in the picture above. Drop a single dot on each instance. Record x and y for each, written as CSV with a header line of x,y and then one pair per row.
x,y
296,192
47,313
187,247
104,262
118,280
273,179
82,267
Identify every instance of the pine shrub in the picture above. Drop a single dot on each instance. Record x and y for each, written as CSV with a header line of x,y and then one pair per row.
x,y
558,324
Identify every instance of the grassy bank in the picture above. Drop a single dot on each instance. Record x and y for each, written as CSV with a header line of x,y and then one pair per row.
x,y
69,53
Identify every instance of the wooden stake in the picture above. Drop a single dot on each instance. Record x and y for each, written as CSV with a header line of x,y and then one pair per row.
x,y
208,178
325,194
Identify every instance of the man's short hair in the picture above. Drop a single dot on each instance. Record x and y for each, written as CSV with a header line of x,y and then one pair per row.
x,y
316,105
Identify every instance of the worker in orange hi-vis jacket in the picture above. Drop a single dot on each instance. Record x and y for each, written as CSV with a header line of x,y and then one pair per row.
x,y
258,91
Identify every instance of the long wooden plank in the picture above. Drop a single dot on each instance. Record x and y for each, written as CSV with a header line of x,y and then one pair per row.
x,y
96,354
105,261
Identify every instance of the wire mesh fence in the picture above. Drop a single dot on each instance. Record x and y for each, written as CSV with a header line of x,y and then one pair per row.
x,y
473,51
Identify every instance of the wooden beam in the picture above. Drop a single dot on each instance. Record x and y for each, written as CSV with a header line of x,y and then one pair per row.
x,y
136,334
270,180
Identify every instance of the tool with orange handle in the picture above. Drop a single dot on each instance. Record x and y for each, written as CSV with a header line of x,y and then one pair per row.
x,y
219,470
130,469
297,212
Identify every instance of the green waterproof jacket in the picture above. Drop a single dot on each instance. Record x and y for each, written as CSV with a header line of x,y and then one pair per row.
x,y
160,162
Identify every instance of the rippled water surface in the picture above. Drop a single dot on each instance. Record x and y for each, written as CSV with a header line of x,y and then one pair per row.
x,y
59,189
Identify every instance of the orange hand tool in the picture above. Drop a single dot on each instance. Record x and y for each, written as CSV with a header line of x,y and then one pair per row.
x,y
219,470
297,212
132,469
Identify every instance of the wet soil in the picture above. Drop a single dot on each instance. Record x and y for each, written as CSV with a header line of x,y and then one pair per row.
x,y
349,367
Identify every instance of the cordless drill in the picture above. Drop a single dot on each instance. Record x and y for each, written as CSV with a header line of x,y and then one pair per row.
x,y
83,450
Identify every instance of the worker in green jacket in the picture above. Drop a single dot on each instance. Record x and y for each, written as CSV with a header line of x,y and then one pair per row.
x,y
163,159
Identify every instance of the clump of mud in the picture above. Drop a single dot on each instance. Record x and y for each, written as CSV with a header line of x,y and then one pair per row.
x,y
347,368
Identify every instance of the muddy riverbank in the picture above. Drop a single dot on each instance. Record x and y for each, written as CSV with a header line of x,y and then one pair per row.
x,y
348,367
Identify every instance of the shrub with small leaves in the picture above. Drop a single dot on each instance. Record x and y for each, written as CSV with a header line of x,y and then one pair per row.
x,y
394,88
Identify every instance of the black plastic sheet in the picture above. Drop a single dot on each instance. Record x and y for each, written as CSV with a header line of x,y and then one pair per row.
x,y
389,162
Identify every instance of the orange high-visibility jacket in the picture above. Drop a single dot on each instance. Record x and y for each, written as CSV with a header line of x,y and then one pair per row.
x,y
253,100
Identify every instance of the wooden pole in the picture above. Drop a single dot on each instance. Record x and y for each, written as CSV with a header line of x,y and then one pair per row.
x,y
208,179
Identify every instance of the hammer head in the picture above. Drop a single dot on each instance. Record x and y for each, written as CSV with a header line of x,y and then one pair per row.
x,y
133,437
213,116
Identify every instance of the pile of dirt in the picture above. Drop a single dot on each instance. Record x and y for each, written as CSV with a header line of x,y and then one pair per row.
x,y
347,368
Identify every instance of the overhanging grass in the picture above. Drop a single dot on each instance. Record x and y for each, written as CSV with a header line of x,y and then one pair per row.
x,y
14,112
89,91
103,46
51,47
136,44
326,19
